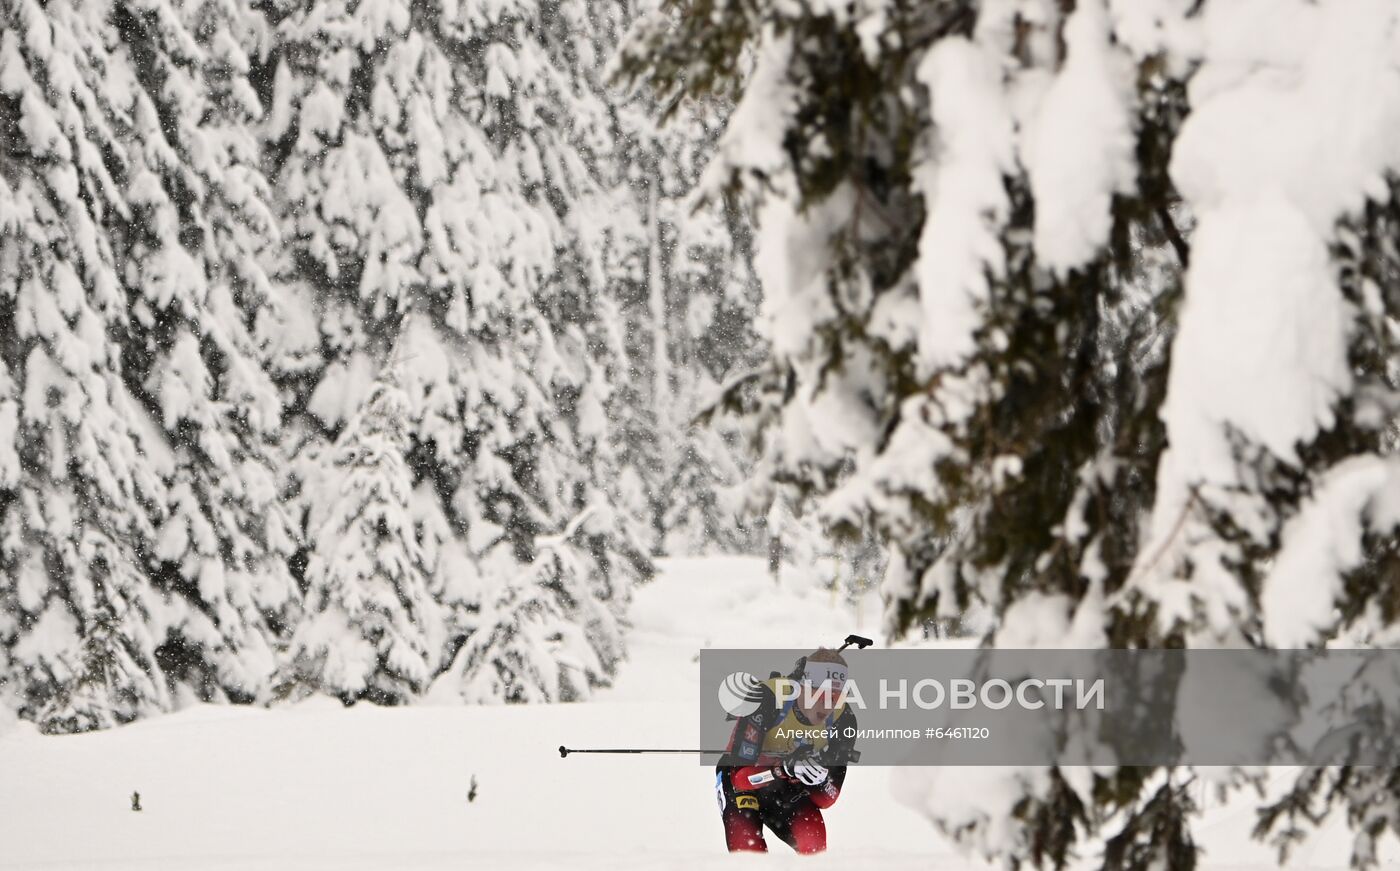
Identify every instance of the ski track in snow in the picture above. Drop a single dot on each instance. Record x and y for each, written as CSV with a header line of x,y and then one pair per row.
x,y
315,786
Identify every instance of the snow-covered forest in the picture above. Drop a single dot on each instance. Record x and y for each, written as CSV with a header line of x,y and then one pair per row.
x,y
347,348
1089,310
377,349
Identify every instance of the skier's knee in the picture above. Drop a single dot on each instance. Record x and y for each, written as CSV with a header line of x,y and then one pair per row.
x,y
743,833
809,832
748,845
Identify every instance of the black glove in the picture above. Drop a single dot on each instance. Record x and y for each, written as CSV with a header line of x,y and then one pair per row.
x,y
805,771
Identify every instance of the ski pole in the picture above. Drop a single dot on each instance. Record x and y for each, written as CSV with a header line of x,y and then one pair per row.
x,y
851,755
859,641
565,751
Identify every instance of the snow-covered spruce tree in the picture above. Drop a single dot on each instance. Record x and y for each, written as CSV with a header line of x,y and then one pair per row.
x,y
142,545
1087,307
371,627
715,299
443,173
688,299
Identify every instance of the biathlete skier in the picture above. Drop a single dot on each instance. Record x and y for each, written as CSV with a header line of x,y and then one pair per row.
x,y
786,762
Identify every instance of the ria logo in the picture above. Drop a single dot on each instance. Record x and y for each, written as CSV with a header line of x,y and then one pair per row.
x,y
740,693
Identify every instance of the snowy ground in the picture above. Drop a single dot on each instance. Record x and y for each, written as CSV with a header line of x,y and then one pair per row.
x,y
317,786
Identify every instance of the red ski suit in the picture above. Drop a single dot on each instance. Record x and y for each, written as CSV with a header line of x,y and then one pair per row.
x,y
753,793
